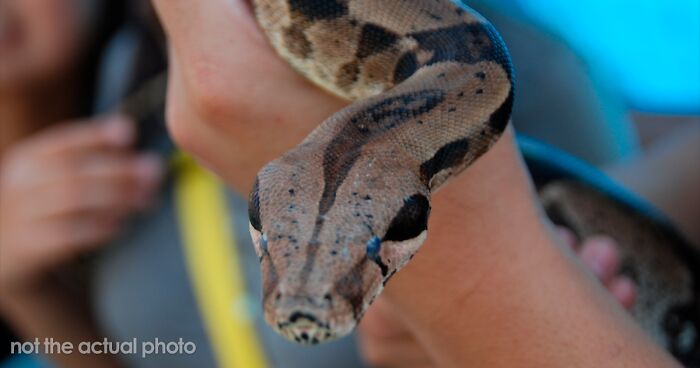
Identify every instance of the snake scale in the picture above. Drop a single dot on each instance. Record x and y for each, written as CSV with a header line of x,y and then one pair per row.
x,y
333,219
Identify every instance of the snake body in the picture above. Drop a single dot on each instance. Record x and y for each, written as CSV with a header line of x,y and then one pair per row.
x,y
333,219
338,215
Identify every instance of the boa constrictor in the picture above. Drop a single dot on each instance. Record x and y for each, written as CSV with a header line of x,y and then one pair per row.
x,y
333,219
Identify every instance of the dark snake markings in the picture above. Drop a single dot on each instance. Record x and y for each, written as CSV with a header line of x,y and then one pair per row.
x,y
363,59
341,154
326,262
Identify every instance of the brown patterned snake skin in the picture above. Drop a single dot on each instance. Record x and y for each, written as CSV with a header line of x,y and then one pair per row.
x,y
333,219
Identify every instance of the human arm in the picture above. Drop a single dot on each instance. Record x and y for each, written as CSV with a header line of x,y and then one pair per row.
x,y
489,287
386,341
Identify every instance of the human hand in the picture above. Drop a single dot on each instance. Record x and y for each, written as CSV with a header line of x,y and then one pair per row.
x,y
232,101
63,192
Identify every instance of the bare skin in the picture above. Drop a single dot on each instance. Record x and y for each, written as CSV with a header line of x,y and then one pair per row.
x,y
235,105
385,340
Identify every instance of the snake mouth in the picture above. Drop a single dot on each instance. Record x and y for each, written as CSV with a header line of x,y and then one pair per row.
x,y
305,328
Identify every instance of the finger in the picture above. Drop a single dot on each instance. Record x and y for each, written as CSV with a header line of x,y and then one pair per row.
x,y
143,171
105,184
624,290
599,254
55,242
110,132
141,174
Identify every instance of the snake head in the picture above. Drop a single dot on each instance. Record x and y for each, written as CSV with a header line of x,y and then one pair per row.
x,y
327,249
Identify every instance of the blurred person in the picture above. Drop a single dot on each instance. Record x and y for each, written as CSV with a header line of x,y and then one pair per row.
x,y
67,183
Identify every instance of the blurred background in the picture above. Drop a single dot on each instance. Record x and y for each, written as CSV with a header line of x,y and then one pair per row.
x,y
651,53
615,83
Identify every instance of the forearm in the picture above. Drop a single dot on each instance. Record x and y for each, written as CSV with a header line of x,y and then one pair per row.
x,y
52,313
491,288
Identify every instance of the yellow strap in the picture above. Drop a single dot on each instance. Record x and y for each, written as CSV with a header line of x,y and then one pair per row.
x,y
214,266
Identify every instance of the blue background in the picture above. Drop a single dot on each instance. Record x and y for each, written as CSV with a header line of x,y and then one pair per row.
x,y
648,49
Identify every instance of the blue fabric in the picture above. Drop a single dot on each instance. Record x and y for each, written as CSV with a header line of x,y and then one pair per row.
x,y
649,49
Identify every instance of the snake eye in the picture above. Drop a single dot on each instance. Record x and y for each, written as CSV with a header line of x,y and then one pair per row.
x,y
411,220
254,207
373,247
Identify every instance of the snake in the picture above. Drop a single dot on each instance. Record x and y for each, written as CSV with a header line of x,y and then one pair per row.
x,y
431,89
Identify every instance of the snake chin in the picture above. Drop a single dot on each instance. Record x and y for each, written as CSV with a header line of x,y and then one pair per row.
x,y
306,329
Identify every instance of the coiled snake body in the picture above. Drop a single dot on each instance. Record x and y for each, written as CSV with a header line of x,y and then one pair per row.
x,y
333,219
